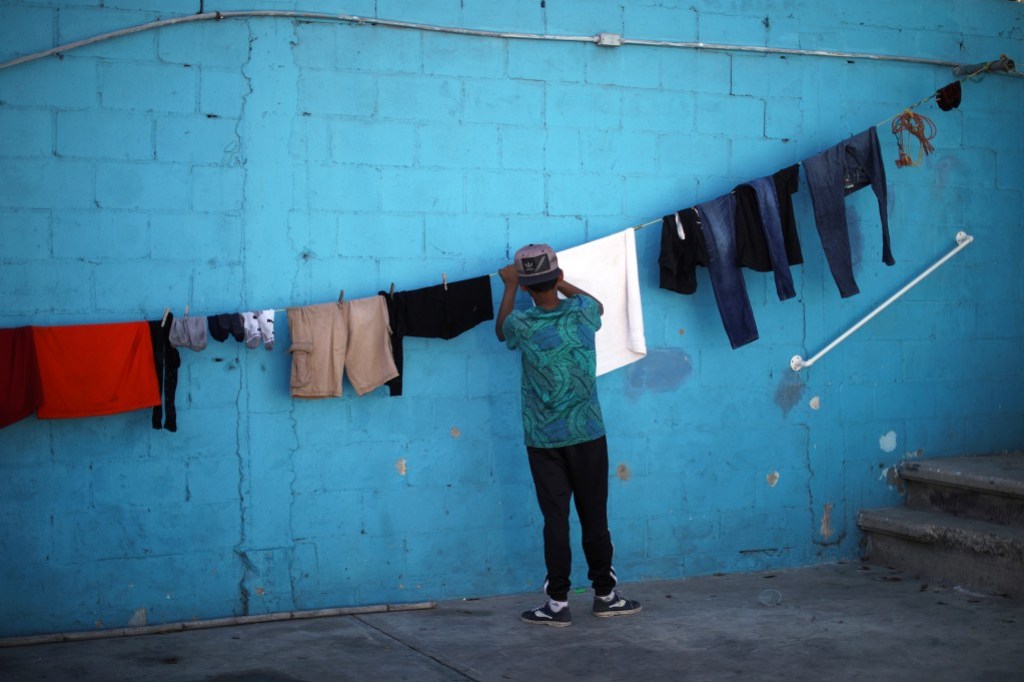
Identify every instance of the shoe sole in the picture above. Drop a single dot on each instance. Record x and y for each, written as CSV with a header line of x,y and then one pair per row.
x,y
549,623
610,614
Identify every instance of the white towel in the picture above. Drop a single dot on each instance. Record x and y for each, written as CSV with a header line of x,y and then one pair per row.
x,y
607,269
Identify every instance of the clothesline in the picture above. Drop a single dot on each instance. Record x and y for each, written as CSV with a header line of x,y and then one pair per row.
x,y
50,344
656,221
983,68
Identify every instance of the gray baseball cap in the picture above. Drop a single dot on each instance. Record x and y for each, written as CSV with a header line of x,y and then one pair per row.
x,y
536,264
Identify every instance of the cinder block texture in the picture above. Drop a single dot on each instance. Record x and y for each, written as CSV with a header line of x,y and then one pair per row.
x,y
245,164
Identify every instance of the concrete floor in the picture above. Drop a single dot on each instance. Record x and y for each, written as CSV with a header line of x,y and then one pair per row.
x,y
835,622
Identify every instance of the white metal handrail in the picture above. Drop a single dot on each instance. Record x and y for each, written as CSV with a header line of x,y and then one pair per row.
x,y
963,239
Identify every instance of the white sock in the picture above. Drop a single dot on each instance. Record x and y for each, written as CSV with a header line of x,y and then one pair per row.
x,y
608,597
557,606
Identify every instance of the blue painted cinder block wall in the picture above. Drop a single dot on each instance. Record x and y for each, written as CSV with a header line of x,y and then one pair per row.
x,y
249,164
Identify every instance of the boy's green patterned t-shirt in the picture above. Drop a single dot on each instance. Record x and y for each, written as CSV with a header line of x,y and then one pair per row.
x,y
560,405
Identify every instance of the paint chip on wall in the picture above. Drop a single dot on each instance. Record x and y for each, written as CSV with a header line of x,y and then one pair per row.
x,y
772,478
138,618
892,478
815,403
826,521
400,466
455,432
622,472
888,442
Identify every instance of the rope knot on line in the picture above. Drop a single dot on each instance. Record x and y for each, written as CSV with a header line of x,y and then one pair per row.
x,y
918,126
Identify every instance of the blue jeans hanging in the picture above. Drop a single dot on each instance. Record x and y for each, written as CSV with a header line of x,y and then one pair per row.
x,y
768,207
831,175
717,219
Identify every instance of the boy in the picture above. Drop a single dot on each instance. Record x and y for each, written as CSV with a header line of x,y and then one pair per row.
x,y
563,427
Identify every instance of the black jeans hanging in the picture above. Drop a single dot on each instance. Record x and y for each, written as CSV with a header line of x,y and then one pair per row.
x,y
167,360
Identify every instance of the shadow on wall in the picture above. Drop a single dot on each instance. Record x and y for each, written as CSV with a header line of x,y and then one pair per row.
x,y
663,370
789,392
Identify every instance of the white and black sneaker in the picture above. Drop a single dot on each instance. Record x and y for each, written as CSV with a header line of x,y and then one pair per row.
x,y
615,605
543,615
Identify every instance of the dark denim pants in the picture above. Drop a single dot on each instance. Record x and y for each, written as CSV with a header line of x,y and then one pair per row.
x,y
768,207
718,224
831,175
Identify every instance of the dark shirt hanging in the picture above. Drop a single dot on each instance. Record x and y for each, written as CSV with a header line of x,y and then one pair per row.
x,y
437,312
751,244
787,183
681,253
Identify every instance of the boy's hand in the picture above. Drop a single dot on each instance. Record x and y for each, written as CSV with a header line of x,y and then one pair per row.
x,y
509,275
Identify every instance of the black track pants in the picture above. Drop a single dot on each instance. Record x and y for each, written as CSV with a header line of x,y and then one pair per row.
x,y
579,470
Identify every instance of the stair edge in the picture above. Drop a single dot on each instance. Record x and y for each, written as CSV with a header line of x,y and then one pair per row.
x,y
945,471
943,529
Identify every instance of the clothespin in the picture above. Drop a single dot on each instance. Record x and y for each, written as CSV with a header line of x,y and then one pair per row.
x,y
341,296
392,292
186,310
163,321
444,281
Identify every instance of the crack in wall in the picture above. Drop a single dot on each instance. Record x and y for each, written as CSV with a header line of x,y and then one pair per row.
x,y
294,427
242,415
240,548
810,477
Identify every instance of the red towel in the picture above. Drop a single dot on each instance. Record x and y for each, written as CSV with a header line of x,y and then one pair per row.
x,y
95,369
21,393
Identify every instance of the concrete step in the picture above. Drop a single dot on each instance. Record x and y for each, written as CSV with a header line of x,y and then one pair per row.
x,y
985,488
974,554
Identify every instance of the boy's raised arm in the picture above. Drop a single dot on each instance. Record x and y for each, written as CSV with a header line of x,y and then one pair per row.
x,y
510,278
